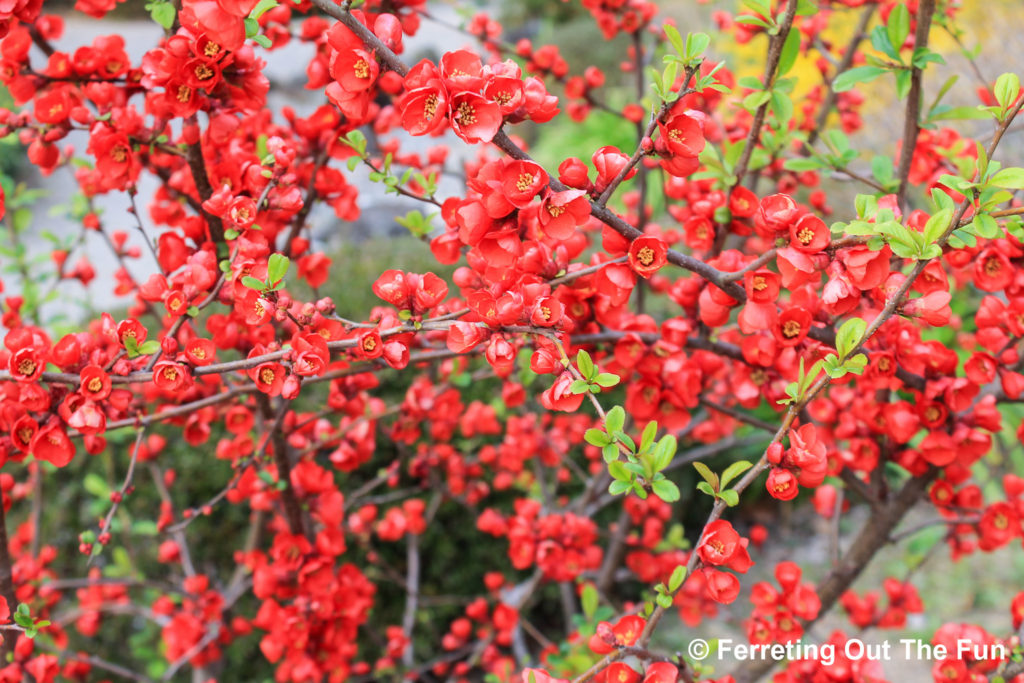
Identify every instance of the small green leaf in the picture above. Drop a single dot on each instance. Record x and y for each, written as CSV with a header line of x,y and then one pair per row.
x,y
986,226
734,470
790,51
610,452
277,268
676,580
148,348
617,487
163,13
1007,89
589,600
898,27
596,437
706,488
579,386
849,335
253,283
614,419
664,601
1010,178
619,471
861,74
666,490
710,477
262,7
731,497
647,438
606,379
664,452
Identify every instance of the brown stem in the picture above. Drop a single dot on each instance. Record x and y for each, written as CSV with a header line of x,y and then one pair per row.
x,y
912,121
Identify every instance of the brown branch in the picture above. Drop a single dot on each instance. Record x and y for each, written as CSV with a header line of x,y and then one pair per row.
x,y
912,121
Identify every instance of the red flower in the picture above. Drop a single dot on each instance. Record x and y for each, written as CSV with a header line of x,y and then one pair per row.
x,y
521,181
609,162
200,351
722,587
474,118
782,484
559,397
562,212
682,134
95,383
647,255
52,444
792,326
722,546
809,234
463,336
664,672
171,377
27,364
269,378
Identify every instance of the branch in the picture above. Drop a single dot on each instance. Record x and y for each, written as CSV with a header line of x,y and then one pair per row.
x,y
912,123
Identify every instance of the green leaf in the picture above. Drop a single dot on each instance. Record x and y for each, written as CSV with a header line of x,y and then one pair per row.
x,y
614,419
579,386
861,74
664,601
596,437
696,44
252,283
731,497
277,268
937,225
986,226
856,364
707,475
672,33
262,7
898,27
849,335
706,488
617,487
619,471
148,348
803,164
664,452
790,51
589,600
610,452
1007,89
676,580
734,470
252,27
1010,178
647,438
606,379
163,13
666,490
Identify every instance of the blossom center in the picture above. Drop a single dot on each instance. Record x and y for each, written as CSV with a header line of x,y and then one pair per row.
x,y
466,114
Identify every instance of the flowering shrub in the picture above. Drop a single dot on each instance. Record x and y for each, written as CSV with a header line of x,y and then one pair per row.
x,y
484,474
